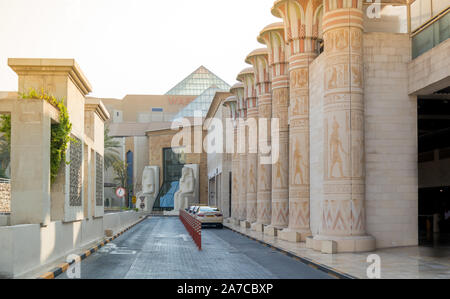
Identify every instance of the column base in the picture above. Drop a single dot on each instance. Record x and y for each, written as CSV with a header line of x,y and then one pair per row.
x,y
235,221
331,245
295,236
258,227
245,224
272,230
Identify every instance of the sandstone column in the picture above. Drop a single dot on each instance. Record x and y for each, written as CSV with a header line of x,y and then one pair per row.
x,y
260,61
273,37
301,35
343,217
238,91
248,159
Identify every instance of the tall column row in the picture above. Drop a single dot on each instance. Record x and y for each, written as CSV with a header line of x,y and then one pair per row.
x,y
273,37
260,61
281,79
238,91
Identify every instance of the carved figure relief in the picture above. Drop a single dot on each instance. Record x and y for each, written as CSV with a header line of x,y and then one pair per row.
x,y
299,78
358,157
336,150
356,37
263,178
299,163
278,176
252,179
356,76
341,39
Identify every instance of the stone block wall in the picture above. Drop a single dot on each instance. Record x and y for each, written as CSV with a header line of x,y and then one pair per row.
x,y
391,141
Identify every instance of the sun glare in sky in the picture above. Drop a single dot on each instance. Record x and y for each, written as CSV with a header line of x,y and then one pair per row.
x,y
133,46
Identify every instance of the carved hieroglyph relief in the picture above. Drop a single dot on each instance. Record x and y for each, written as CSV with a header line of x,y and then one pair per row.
x,y
243,187
344,161
75,170
280,169
252,160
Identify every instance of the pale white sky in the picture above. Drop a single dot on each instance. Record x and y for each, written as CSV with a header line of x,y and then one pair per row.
x,y
133,46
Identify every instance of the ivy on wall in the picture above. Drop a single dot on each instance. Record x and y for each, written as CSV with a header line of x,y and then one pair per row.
x,y
60,133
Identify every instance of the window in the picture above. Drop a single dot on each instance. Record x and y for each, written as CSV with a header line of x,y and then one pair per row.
x,y
431,36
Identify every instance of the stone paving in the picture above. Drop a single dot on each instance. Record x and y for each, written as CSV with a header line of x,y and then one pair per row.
x,y
396,263
160,247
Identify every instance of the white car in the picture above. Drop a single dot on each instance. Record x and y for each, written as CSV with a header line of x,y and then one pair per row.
x,y
210,216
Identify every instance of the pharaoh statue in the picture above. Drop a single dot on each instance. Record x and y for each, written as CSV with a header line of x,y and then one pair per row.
x,y
186,194
150,189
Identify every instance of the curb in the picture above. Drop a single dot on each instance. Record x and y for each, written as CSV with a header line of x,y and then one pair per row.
x,y
60,269
330,271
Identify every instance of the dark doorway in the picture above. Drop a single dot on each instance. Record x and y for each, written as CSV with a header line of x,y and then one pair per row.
x,y
434,168
173,164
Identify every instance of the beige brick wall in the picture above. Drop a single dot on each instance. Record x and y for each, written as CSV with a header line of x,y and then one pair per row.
x,y
391,141
5,198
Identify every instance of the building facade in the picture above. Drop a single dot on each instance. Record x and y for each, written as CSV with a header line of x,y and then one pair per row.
x,y
347,80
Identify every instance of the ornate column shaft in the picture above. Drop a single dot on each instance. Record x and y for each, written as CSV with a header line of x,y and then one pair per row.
x,y
273,37
248,78
247,209
301,34
238,91
260,61
343,212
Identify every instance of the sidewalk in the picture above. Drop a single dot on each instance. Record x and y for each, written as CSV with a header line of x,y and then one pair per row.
x,y
396,263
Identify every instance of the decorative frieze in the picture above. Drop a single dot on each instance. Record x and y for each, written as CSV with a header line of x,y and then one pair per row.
x,y
99,184
75,166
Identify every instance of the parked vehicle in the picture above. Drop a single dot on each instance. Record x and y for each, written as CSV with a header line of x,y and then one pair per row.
x,y
209,216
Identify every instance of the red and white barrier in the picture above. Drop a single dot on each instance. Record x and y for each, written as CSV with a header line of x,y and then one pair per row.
x,y
193,226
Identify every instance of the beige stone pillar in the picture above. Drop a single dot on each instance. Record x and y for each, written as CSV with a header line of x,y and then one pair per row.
x,y
301,35
343,212
260,61
61,78
238,91
273,37
96,115
30,162
249,159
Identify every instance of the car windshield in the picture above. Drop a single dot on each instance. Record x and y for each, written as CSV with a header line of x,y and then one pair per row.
x,y
209,209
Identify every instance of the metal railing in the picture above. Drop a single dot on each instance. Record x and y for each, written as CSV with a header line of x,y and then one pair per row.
x,y
193,226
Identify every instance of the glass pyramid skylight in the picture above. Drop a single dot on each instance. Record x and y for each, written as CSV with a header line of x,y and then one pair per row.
x,y
200,104
197,82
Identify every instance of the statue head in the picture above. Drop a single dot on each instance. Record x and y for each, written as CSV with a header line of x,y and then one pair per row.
x,y
148,181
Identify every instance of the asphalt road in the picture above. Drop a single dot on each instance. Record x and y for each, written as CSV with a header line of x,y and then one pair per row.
x,y
160,247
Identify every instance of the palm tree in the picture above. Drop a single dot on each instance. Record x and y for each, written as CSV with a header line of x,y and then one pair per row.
x,y
120,168
111,150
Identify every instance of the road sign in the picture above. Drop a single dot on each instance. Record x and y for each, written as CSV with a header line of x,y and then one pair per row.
x,y
134,200
120,192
